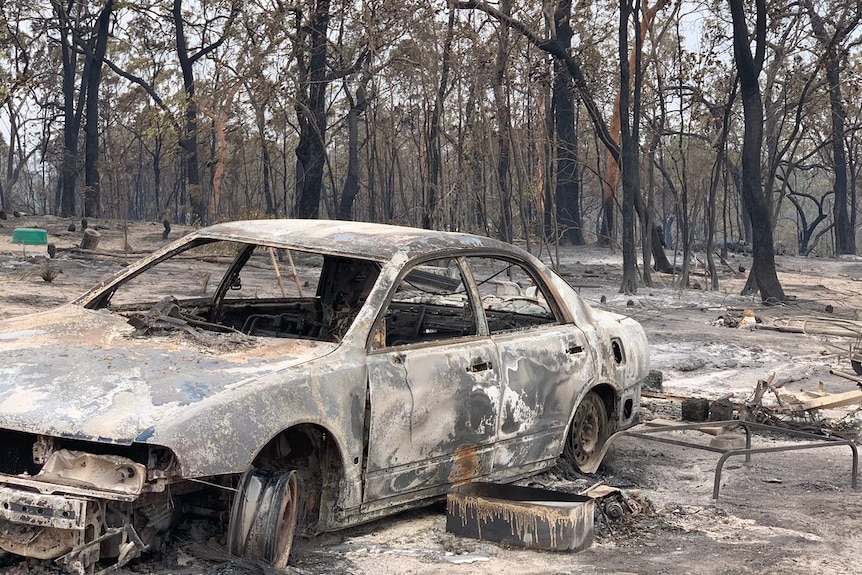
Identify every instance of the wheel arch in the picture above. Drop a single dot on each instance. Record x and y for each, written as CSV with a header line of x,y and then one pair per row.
x,y
315,453
609,396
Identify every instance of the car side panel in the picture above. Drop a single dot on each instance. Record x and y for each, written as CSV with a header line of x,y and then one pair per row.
x,y
544,370
433,416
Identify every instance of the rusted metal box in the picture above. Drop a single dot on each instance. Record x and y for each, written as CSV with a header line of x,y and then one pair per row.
x,y
521,516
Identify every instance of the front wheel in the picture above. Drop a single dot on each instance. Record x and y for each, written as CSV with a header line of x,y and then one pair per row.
x,y
263,516
588,433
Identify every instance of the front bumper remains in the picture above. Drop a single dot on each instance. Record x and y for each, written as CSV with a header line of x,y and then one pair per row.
x,y
67,528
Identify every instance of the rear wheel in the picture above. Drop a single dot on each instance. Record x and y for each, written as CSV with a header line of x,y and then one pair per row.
x,y
588,433
264,515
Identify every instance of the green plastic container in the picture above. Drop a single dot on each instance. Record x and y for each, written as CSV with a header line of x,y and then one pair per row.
x,y
29,236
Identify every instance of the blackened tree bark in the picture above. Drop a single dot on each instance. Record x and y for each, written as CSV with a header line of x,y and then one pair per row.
x,y
501,104
358,105
311,111
831,46
95,57
189,139
434,165
67,196
629,130
763,276
612,177
567,194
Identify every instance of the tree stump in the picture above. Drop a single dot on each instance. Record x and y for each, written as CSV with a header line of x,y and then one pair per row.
x,y
695,409
167,225
721,410
654,380
90,240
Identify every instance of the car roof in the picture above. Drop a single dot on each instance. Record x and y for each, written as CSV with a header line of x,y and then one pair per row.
x,y
360,239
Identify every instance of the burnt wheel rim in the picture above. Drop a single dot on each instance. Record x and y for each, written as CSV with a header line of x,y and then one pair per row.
x,y
285,521
264,516
588,432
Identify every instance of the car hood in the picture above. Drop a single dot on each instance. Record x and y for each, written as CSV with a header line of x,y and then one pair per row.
x,y
83,374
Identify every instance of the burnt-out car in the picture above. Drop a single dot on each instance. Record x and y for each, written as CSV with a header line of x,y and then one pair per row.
x,y
297,374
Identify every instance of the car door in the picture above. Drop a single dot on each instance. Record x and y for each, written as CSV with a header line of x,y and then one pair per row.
x,y
434,388
544,362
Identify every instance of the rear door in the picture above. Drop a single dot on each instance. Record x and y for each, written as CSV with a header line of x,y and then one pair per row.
x,y
434,385
544,362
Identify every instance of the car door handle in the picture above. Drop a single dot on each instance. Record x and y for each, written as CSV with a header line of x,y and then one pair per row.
x,y
574,348
480,365
398,358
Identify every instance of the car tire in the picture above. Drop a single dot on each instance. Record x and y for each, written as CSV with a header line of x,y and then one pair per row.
x,y
588,433
264,515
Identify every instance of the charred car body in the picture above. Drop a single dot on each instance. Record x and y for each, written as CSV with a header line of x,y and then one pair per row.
x,y
285,373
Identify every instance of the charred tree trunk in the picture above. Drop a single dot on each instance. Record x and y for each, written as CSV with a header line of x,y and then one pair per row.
x,y
845,237
612,177
311,113
718,168
567,193
629,129
93,80
66,196
504,183
351,182
189,139
763,275
157,173
434,166
661,263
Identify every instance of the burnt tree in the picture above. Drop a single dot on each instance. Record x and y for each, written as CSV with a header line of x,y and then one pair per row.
x,y
567,195
95,51
629,129
311,109
358,105
189,139
845,237
433,160
66,193
504,119
763,276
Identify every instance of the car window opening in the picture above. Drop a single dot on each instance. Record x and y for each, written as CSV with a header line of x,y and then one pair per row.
x,y
262,291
